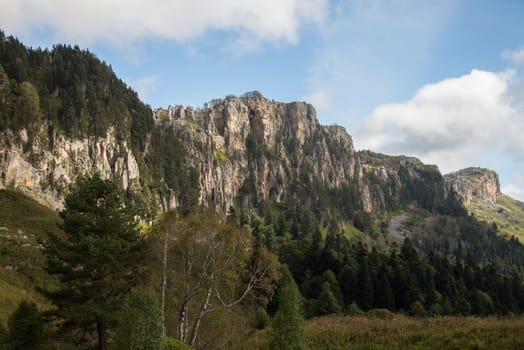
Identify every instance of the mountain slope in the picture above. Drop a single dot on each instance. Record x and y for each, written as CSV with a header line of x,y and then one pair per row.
x,y
67,115
480,190
506,212
23,223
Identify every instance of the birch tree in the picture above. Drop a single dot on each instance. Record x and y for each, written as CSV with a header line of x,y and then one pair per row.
x,y
212,266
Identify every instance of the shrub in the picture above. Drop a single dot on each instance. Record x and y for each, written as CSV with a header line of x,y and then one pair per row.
x,y
174,344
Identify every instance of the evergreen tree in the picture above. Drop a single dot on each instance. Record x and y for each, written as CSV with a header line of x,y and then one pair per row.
x,y
384,297
328,303
26,328
287,327
97,261
139,322
3,337
365,286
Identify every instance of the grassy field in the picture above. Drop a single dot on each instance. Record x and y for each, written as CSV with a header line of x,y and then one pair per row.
x,y
402,332
23,222
399,332
507,213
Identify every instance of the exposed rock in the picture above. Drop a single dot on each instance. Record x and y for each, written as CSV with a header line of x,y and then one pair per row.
x,y
244,150
472,183
45,172
402,180
251,142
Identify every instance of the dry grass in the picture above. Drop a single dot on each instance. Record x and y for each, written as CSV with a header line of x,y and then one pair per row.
x,y
402,332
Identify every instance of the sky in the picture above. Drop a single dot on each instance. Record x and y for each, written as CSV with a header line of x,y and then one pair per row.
x,y
439,80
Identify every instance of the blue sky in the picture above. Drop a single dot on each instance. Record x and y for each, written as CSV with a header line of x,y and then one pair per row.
x,y
440,80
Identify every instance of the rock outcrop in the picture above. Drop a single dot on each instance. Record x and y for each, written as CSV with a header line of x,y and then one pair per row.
x,y
396,181
473,183
256,149
44,168
247,149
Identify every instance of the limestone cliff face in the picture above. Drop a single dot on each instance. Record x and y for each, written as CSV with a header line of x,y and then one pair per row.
x,y
248,149
397,181
472,183
256,149
45,167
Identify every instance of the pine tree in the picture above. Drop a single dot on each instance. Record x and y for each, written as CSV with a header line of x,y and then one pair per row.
x,y
139,322
26,328
328,303
97,262
288,323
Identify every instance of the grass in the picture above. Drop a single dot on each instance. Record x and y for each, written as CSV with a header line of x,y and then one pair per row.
x,y
23,223
402,332
507,213
399,332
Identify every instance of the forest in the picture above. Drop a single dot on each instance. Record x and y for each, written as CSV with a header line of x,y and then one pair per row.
x,y
197,279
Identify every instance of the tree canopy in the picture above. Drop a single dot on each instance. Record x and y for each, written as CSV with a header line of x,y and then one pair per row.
x,y
99,258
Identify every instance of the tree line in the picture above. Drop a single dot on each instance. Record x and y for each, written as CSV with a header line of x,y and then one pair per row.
x,y
196,280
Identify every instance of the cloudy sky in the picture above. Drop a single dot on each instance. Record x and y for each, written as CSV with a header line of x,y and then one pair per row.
x,y
440,80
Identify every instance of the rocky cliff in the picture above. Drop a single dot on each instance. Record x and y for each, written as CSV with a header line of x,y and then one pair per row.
x,y
399,181
475,183
253,149
45,167
64,113
243,150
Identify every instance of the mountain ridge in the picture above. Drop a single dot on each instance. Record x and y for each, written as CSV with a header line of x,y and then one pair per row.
x,y
235,152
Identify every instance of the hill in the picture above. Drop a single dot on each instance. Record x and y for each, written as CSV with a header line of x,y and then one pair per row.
x,y
23,224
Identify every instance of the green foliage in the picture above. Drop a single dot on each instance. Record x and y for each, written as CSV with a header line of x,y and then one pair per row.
x,y
99,259
3,337
417,309
506,213
354,310
174,344
139,322
222,157
213,270
167,164
73,90
26,328
328,303
287,325
23,224
333,273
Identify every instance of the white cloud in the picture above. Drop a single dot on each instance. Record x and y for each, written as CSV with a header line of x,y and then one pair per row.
x,y
454,123
514,192
123,22
372,51
319,98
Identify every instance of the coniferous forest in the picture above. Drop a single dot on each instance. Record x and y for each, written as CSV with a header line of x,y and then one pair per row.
x,y
113,270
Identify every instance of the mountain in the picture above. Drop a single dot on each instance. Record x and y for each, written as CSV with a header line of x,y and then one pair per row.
x,y
66,114
480,190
